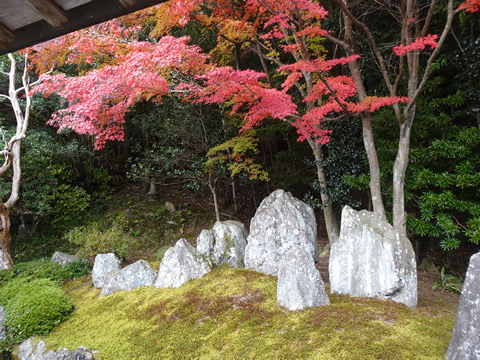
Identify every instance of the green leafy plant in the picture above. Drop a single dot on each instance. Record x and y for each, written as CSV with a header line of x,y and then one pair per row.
x,y
33,307
94,239
44,269
448,282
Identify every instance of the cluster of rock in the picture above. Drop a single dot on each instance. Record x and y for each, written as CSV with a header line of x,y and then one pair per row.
x,y
107,274
369,259
282,242
33,349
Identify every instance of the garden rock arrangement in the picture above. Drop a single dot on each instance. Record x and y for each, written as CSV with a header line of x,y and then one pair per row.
x,y
465,343
282,222
179,264
224,244
369,259
31,349
63,259
104,266
130,277
300,284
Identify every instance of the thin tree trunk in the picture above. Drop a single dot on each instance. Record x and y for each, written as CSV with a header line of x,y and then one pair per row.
x,y
328,212
6,261
211,185
234,194
399,170
374,166
367,127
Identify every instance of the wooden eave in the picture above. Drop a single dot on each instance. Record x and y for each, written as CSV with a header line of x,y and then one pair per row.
x,y
24,23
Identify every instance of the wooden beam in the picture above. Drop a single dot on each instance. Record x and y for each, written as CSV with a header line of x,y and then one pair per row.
x,y
127,3
49,12
6,37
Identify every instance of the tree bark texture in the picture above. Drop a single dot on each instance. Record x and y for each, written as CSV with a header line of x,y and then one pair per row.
x,y
331,223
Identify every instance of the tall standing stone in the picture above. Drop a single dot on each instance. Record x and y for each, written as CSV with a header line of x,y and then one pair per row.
x,y
181,263
465,343
224,244
370,259
282,222
104,266
300,284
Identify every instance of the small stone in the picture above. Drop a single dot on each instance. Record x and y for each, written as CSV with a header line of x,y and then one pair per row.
x,y
465,343
63,259
300,284
170,207
180,264
428,266
130,277
64,354
104,266
82,353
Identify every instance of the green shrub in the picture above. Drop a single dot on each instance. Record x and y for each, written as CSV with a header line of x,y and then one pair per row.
x,y
76,269
44,269
33,307
93,240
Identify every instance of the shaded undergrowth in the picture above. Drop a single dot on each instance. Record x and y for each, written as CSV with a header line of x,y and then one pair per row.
x,y
233,314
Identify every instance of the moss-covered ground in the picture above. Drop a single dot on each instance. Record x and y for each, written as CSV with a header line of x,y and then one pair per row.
x,y
233,314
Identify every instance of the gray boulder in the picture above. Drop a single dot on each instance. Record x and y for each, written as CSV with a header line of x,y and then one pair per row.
x,y
224,244
33,349
3,328
130,277
465,343
181,263
300,284
104,266
282,222
370,259
63,259
206,243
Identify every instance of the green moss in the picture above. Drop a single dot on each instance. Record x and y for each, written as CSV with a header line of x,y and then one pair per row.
x,y
233,314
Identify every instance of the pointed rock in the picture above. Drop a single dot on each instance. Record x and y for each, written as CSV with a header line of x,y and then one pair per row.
x,y
282,222
300,284
104,266
130,277
370,259
180,264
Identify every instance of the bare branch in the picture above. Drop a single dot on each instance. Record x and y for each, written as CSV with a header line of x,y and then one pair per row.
x,y
431,59
371,41
428,19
